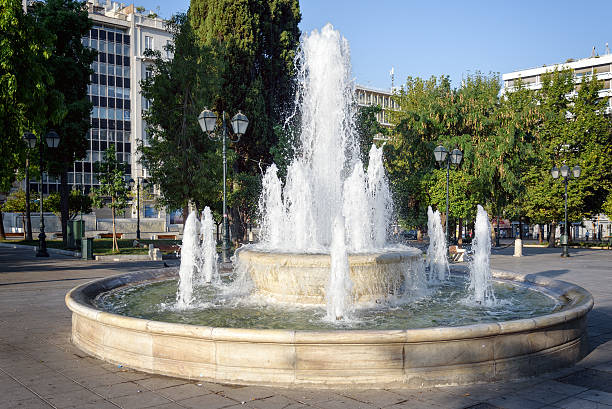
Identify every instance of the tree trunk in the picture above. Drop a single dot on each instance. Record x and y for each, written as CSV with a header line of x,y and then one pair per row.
x,y
419,234
115,245
551,240
185,215
64,206
520,228
460,236
23,224
2,233
28,219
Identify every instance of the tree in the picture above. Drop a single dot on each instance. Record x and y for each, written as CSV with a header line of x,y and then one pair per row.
x,y
16,202
113,191
368,128
571,131
67,21
182,161
78,203
24,82
257,40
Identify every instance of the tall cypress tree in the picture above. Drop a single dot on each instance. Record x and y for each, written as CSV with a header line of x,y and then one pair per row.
x,y
257,39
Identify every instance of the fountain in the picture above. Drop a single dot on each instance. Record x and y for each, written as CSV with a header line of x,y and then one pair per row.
x,y
480,273
437,252
323,300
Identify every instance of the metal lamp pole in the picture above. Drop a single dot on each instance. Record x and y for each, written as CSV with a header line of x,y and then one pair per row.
x,y
442,155
52,139
565,173
208,122
144,183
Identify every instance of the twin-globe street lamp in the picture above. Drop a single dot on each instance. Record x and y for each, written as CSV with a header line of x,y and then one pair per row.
x,y
144,185
208,122
455,157
52,139
565,173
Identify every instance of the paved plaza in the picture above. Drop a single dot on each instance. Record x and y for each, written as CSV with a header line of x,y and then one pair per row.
x,y
40,368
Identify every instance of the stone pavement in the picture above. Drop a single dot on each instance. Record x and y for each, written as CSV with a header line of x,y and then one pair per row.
x,y
39,368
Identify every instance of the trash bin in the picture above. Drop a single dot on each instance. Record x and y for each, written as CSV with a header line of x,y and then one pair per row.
x,y
87,248
76,230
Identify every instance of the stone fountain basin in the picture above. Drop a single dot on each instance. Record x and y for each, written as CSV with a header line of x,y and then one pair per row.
x,y
413,358
301,278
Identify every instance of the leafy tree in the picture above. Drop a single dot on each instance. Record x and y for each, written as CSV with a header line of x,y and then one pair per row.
x,y
257,40
66,22
16,203
368,128
24,81
113,191
78,204
181,160
570,131
410,161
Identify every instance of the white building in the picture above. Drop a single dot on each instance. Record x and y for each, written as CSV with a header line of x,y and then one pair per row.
x,y
601,66
120,35
367,96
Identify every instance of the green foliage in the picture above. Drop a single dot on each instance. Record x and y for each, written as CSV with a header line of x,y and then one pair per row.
x,y
510,143
257,41
24,79
67,21
182,161
368,127
574,132
78,204
16,202
244,198
113,191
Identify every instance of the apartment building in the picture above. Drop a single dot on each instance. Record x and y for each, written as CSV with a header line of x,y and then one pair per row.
x,y
367,96
600,66
120,35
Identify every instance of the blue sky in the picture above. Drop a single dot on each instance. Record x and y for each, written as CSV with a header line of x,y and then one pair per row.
x,y
452,37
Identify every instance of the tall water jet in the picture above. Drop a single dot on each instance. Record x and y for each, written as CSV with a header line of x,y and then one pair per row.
x,y
190,254
209,270
338,293
327,183
437,252
480,272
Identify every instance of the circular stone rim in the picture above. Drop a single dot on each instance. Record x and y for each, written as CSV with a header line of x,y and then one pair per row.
x,y
93,332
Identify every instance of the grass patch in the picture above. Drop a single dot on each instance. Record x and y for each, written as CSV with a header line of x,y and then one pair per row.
x,y
104,246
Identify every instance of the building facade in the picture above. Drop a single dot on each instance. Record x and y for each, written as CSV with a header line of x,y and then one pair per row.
x,y
600,66
120,35
599,226
367,96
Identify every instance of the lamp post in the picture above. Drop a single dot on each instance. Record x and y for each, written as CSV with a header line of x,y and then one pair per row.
x,y
565,173
208,122
144,185
442,156
52,139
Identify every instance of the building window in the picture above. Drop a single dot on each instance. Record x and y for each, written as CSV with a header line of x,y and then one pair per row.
x,y
168,44
148,72
148,43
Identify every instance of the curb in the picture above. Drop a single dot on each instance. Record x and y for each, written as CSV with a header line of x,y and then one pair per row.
x,y
49,250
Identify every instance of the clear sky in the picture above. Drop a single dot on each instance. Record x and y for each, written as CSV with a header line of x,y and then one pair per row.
x,y
424,38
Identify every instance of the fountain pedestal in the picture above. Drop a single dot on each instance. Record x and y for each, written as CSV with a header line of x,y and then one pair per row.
x,y
302,278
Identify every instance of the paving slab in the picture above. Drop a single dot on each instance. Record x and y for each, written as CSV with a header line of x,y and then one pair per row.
x,y
39,367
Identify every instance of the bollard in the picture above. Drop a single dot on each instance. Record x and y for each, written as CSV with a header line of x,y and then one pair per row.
x,y
518,248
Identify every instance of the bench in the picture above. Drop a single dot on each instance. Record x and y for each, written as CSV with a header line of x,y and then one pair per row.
x,y
11,234
109,235
166,237
457,253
